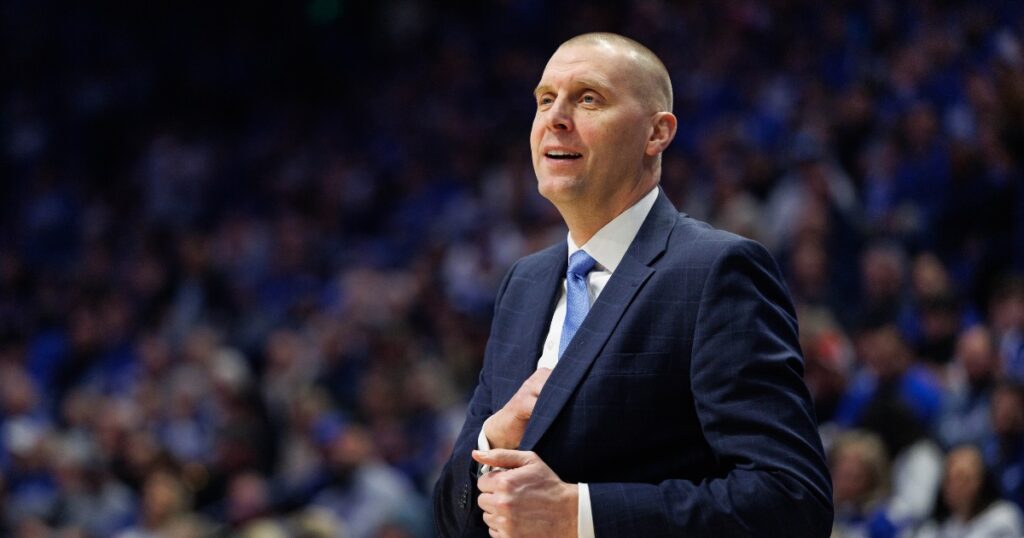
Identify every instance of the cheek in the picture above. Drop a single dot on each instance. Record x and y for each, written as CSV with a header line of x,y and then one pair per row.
x,y
620,140
600,138
535,137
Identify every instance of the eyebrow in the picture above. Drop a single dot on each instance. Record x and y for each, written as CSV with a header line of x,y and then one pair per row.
x,y
543,88
584,82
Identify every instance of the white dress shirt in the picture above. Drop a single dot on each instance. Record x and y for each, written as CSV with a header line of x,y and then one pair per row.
x,y
607,247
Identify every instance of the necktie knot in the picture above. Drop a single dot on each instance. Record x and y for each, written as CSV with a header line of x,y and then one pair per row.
x,y
580,263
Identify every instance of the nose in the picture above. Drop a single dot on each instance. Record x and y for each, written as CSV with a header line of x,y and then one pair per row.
x,y
559,116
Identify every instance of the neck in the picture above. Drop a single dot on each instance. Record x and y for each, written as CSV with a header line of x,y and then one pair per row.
x,y
585,220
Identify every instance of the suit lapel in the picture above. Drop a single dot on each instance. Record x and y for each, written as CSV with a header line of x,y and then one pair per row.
x,y
630,276
540,292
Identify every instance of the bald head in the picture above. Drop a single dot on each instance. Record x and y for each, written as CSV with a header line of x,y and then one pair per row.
x,y
653,84
603,121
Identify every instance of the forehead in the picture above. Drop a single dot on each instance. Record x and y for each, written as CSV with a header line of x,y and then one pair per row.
x,y
600,63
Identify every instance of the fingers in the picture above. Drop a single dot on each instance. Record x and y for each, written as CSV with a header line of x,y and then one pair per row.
x,y
502,479
505,428
528,499
526,397
500,457
541,374
494,522
537,379
497,524
533,384
486,484
486,502
490,483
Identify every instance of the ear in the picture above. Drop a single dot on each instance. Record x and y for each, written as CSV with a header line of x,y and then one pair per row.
x,y
663,130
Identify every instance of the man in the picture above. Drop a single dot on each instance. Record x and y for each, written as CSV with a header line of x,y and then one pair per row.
x,y
676,405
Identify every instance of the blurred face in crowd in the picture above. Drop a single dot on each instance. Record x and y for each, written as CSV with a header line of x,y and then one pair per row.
x,y
882,272
1007,411
929,277
859,468
1007,309
163,497
593,130
810,267
347,451
884,352
964,472
850,478
248,497
976,354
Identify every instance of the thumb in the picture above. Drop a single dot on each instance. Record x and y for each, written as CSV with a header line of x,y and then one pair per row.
x,y
504,458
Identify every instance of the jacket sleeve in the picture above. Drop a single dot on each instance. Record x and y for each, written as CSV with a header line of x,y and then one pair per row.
x,y
455,510
755,412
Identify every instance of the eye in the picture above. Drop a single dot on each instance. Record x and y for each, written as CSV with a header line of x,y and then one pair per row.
x,y
588,99
545,100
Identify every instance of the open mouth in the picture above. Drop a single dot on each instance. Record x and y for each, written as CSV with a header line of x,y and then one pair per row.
x,y
563,155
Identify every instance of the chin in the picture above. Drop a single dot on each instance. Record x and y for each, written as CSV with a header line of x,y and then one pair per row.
x,y
559,189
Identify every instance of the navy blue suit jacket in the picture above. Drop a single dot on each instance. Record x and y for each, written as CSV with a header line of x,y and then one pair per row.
x,y
680,400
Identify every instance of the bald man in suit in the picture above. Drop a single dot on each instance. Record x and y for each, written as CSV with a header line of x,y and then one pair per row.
x,y
643,377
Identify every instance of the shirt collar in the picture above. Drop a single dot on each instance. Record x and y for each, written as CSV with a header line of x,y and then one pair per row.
x,y
609,244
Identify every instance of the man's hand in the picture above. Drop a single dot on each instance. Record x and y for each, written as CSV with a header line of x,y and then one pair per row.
x,y
528,499
505,428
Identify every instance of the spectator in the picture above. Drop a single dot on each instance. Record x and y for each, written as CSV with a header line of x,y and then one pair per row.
x,y
828,360
899,402
165,509
890,377
860,475
92,500
1004,450
967,395
970,505
883,274
1006,310
355,486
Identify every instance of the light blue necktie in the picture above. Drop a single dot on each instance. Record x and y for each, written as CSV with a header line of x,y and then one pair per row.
x,y
577,299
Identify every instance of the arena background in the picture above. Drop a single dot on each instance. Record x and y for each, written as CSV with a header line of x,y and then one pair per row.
x,y
249,249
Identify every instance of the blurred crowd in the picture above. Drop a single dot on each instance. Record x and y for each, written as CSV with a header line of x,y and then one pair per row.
x,y
249,252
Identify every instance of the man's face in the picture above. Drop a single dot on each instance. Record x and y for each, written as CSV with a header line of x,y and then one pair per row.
x,y
591,129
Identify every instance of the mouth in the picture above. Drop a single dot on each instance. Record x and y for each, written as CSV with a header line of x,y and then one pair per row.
x,y
562,155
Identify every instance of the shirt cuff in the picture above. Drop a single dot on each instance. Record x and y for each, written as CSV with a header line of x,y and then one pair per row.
x,y
483,444
584,515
